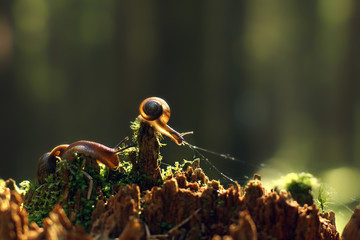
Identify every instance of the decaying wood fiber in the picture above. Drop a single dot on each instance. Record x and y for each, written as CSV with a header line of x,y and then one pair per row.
x,y
352,228
182,209
112,219
148,155
14,222
230,214
13,219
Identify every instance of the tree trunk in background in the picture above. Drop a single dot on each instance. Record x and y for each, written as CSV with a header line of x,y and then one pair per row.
x,y
348,100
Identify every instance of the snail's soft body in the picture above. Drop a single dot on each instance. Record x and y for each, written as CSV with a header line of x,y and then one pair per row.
x,y
47,162
102,153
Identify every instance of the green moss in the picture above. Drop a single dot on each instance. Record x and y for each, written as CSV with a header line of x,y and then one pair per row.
x,y
24,186
165,226
43,199
173,170
68,186
170,170
186,163
300,185
135,126
322,200
63,188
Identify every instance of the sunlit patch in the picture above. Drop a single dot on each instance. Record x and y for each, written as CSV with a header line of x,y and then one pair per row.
x,y
343,180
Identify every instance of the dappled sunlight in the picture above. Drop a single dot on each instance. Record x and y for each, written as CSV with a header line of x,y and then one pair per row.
x,y
344,194
339,184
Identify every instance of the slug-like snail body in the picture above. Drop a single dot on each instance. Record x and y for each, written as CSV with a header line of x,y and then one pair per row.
x,y
156,112
47,162
103,154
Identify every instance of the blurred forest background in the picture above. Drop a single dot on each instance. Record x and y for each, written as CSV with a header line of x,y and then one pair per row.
x,y
274,83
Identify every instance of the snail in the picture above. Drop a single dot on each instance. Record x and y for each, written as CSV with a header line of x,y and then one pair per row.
x,y
47,162
108,156
156,112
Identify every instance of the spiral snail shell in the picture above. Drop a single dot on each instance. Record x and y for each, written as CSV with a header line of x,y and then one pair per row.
x,y
156,112
47,163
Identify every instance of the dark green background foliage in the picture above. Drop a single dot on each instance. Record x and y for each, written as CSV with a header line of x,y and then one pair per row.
x,y
266,82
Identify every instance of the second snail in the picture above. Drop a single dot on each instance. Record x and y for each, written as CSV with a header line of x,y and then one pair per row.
x,y
79,174
153,111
